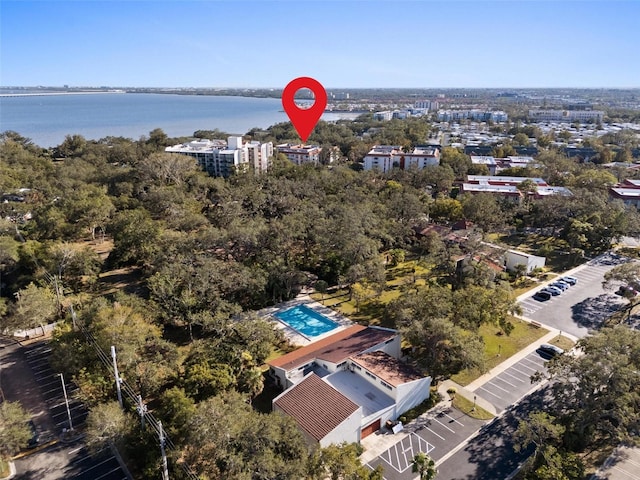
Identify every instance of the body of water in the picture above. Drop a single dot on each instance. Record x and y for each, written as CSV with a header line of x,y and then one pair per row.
x,y
46,119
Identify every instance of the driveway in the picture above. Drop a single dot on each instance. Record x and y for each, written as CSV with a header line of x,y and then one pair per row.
x,y
584,306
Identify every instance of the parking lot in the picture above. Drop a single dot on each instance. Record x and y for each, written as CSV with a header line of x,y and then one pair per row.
x,y
511,385
28,378
436,434
584,306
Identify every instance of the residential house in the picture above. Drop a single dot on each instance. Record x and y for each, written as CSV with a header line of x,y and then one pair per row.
x,y
627,191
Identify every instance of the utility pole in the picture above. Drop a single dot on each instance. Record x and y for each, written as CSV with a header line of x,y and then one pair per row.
x,y
66,400
142,410
115,371
165,469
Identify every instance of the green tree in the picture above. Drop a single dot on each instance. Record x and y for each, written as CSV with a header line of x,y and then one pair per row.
x,y
135,237
175,410
626,278
446,209
14,430
521,139
106,424
424,466
321,287
540,430
458,161
227,439
35,306
339,462
442,349
594,395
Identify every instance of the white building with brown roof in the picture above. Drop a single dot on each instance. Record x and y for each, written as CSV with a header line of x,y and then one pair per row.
x,y
363,365
307,403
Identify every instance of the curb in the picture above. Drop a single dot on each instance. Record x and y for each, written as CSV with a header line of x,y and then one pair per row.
x,y
34,450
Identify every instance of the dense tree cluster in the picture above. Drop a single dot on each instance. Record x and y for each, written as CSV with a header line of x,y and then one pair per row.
x,y
593,404
204,252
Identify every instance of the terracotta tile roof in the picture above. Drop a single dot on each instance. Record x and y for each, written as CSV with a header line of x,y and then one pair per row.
x,y
316,406
387,368
335,348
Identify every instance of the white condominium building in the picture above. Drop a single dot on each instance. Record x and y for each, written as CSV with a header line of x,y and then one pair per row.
x,y
566,115
386,157
300,154
221,159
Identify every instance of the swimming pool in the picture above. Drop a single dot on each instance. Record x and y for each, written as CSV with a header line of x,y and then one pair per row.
x,y
306,321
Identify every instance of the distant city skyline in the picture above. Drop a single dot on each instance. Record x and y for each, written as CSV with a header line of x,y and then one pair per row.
x,y
343,44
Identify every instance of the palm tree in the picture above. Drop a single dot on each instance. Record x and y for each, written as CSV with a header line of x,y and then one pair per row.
x,y
425,466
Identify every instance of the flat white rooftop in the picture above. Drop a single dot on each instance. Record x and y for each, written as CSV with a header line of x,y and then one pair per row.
x,y
359,391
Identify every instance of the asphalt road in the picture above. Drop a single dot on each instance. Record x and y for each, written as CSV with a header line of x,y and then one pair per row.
x,y
490,455
584,306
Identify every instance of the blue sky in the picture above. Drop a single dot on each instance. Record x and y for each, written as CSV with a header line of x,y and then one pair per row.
x,y
340,43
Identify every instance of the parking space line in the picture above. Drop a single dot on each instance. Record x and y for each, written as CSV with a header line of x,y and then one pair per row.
x,y
527,367
454,419
503,380
97,464
513,376
441,438
528,375
452,431
498,386
489,392
108,473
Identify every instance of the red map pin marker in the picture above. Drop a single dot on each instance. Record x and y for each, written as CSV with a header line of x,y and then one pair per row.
x,y
304,120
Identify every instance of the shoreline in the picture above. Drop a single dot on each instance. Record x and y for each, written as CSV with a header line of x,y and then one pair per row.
x,y
46,94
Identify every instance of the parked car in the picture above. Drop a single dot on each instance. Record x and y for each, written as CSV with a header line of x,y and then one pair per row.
x,y
561,285
569,280
551,350
542,296
552,290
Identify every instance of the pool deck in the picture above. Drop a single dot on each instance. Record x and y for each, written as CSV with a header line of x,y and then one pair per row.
x,y
295,337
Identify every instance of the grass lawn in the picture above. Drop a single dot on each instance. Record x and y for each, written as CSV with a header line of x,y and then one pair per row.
x,y
562,342
4,469
497,348
370,312
466,406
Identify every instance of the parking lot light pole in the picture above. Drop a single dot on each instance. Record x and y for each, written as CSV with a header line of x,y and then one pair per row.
x,y
66,400
474,403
